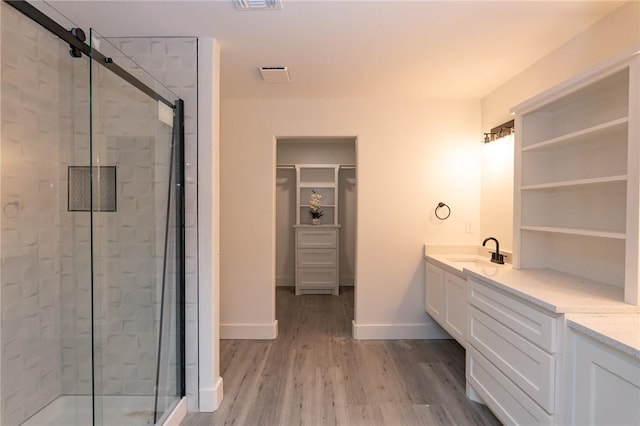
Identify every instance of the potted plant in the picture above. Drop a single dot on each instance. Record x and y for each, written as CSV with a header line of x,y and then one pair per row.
x,y
314,207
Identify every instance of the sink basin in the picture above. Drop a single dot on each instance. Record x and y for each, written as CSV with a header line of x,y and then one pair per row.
x,y
472,262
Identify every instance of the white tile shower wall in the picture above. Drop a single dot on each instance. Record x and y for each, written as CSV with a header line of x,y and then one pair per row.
x,y
128,243
173,62
30,218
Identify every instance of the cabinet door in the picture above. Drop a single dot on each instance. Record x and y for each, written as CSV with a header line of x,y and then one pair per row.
x,y
506,400
605,385
522,362
528,322
434,292
455,306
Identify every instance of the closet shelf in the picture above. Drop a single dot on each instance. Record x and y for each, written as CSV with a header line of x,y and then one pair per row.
x,y
575,183
600,129
576,231
317,185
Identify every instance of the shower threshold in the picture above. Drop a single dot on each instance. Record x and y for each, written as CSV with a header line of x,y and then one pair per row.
x,y
72,410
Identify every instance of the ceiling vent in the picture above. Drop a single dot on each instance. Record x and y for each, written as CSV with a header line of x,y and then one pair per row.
x,y
275,74
258,4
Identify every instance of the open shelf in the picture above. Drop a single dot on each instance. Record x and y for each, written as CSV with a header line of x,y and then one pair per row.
x,y
323,180
317,185
603,101
576,231
594,156
577,167
598,131
575,183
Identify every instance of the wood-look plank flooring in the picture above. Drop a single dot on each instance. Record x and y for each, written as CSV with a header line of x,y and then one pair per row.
x,y
314,373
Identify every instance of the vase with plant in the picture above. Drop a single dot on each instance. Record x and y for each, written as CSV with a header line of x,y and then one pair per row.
x,y
314,207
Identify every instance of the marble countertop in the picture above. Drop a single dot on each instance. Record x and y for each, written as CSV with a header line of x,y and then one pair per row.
x,y
547,289
594,308
621,331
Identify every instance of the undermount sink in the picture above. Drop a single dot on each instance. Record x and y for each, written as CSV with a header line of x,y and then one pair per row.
x,y
472,262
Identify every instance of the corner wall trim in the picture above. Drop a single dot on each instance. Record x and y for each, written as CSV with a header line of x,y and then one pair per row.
x,y
249,331
397,331
210,399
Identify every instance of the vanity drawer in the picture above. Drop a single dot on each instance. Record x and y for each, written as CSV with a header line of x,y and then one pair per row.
x,y
317,258
506,400
317,238
535,326
525,364
317,278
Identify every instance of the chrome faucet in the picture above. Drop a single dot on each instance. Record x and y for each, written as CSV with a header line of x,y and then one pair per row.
x,y
495,257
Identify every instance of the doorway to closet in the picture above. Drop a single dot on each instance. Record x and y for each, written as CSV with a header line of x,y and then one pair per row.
x,y
316,201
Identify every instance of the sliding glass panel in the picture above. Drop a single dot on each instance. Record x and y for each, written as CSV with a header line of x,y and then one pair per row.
x,y
44,247
134,266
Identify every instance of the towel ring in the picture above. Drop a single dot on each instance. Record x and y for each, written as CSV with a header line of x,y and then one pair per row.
x,y
11,209
441,205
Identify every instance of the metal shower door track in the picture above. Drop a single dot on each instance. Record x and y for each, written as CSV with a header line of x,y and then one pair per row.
x,y
43,20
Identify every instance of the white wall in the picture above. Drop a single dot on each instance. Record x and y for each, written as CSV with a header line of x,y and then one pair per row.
x,y
611,35
410,156
31,208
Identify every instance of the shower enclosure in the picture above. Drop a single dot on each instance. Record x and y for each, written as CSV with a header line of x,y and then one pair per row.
x,y
91,229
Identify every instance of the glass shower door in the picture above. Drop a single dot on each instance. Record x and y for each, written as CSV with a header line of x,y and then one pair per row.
x,y
135,241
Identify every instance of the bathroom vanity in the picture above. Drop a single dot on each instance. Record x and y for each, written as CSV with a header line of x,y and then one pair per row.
x,y
555,339
529,333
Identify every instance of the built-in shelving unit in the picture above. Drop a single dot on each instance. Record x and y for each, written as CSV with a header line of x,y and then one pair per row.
x,y
577,166
323,179
317,245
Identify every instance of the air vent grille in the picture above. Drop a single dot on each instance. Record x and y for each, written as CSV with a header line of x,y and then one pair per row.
x,y
277,75
258,4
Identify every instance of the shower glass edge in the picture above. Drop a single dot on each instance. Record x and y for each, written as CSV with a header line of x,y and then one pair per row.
x,y
138,250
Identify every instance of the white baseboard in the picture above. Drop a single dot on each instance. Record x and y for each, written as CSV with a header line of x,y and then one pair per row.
x,y
249,331
397,331
210,399
178,414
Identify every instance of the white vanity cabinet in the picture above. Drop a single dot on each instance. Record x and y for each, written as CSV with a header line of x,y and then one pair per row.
x,y
603,382
512,355
445,300
317,259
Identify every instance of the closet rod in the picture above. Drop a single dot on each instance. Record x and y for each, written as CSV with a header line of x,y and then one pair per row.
x,y
293,166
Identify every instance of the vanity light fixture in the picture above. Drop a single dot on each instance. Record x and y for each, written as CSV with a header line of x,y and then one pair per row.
x,y
259,5
505,129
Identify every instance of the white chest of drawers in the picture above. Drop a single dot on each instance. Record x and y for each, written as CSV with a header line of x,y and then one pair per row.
x,y
317,259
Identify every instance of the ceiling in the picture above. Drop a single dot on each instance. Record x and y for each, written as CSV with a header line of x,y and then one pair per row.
x,y
358,49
